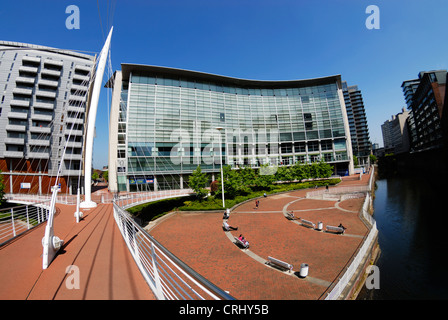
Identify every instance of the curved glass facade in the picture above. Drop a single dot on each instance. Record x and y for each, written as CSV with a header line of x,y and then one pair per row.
x,y
170,122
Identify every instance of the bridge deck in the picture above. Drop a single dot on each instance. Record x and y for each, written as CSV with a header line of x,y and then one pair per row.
x,y
107,270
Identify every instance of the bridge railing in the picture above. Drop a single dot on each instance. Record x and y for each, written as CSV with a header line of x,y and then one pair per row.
x,y
16,220
132,199
124,200
168,277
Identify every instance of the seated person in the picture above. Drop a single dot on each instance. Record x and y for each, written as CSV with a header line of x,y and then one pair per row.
x,y
243,240
227,227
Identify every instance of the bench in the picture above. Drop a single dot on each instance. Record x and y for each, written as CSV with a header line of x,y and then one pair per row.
x,y
241,243
307,223
279,263
335,229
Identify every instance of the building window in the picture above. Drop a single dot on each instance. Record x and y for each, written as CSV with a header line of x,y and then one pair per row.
x,y
313,146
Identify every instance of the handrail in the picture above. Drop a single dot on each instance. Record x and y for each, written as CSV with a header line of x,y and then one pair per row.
x,y
168,277
16,220
127,199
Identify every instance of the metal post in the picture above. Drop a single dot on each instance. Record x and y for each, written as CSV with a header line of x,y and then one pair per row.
x,y
12,221
158,285
78,214
222,173
51,244
27,218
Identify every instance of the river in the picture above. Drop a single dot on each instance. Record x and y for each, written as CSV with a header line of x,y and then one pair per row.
x,y
411,215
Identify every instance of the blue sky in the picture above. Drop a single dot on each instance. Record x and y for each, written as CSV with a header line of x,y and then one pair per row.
x,y
252,39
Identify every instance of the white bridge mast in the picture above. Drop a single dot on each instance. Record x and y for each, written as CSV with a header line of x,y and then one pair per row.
x,y
88,203
51,244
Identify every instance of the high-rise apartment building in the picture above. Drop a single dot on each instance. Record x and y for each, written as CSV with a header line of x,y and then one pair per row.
x,y
43,104
165,122
359,129
425,97
395,133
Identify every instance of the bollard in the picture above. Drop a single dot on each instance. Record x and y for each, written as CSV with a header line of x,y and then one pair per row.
x,y
303,270
320,226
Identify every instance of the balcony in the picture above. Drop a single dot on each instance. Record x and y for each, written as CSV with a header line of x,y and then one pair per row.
x,y
44,105
15,127
75,109
73,144
38,155
81,77
25,80
16,141
46,94
39,142
22,91
40,129
74,120
49,83
34,60
54,63
83,68
41,117
28,69
78,87
18,115
20,103
13,154
73,132
72,156
77,98
52,73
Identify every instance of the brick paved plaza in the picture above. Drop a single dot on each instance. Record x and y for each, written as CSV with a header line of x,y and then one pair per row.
x,y
199,240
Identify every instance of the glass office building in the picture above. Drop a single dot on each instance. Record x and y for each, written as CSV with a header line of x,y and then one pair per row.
x,y
165,122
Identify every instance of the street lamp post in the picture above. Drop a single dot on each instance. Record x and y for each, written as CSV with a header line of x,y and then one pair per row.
x,y
222,174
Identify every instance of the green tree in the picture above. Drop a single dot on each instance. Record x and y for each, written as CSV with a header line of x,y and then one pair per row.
x,y
106,175
300,171
233,183
197,181
355,160
95,176
324,169
285,174
264,177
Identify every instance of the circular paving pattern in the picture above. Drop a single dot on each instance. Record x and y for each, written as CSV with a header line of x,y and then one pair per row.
x,y
199,240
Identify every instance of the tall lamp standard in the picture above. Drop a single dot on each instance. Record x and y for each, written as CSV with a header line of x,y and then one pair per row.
x,y
220,156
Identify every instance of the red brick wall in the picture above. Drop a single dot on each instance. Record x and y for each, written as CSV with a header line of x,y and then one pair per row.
x,y
25,166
